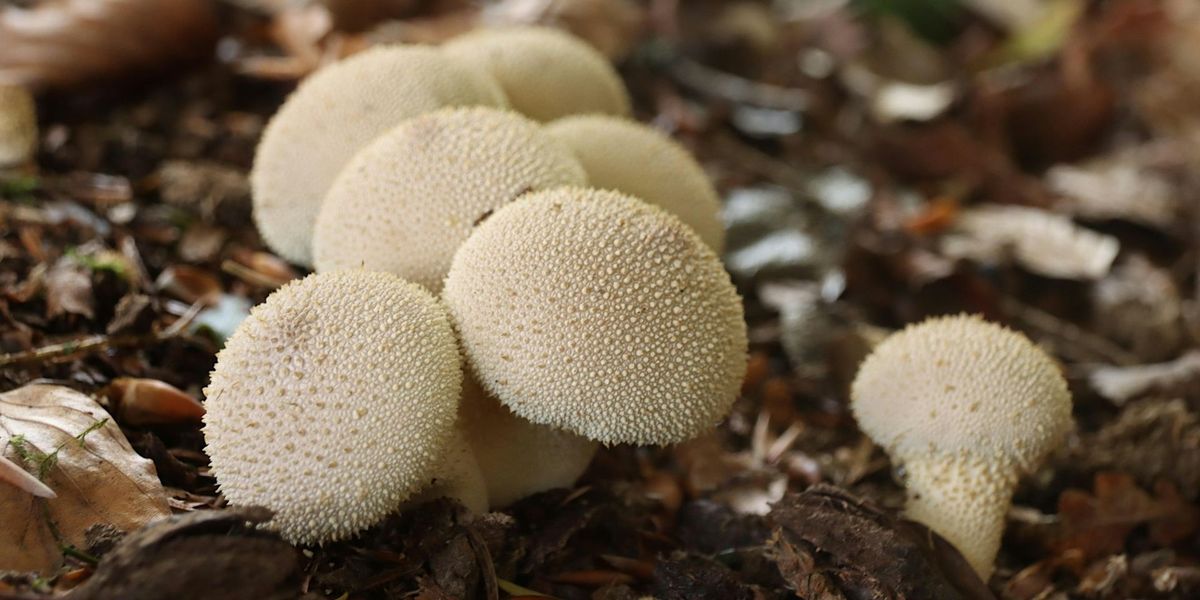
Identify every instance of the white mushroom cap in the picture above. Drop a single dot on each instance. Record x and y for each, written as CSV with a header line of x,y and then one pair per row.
x,y
333,401
519,458
545,73
597,313
333,114
961,384
641,161
407,201
457,476
964,406
18,125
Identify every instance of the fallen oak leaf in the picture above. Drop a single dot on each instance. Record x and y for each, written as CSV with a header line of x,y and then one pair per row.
x,y
1099,523
75,448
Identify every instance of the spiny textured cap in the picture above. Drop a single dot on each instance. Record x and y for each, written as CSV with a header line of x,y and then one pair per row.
x,y
595,312
629,157
18,125
519,458
333,114
961,384
457,476
407,201
332,402
545,73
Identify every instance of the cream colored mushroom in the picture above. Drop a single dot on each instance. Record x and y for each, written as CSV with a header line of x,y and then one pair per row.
x,y
516,457
629,157
597,313
18,125
407,201
545,73
333,402
964,407
333,114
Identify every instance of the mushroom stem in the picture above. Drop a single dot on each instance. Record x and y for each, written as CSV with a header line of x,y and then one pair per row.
x,y
964,499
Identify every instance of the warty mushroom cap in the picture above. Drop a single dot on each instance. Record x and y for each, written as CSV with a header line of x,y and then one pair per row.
x,y
407,201
544,72
961,384
629,157
18,125
334,113
333,402
597,313
519,458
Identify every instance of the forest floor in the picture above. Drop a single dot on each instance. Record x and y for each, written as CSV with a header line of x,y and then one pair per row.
x,y
858,150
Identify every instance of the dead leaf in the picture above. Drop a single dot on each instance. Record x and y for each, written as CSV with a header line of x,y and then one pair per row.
x,y
1043,242
76,449
1122,384
62,43
1139,306
1098,523
613,26
69,290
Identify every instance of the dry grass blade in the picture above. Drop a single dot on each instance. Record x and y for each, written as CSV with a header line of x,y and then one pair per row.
x,y
61,43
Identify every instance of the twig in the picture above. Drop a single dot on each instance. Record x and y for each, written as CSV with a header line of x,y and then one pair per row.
x,y
1070,334
486,566
96,343
738,90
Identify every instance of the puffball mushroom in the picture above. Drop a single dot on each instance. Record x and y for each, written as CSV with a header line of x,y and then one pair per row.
x,y
630,157
965,407
333,402
334,113
545,73
594,312
18,125
407,201
516,457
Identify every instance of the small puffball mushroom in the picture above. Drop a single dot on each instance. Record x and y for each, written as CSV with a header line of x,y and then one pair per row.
x,y
457,476
545,73
630,157
964,407
407,201
333,114
333,402
519,458
18,125
594,312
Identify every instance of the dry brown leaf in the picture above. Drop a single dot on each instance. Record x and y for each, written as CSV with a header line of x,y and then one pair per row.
x,y
61,43
79,452
69,290
1098,523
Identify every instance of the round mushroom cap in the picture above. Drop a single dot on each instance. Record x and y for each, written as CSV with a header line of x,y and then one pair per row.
x,y
332,402
333,114
630,157
519,458
407,201
594,312
961,385
18,125
544,72
457,476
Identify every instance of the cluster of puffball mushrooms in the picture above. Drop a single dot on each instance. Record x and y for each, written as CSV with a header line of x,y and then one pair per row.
x,y
510,272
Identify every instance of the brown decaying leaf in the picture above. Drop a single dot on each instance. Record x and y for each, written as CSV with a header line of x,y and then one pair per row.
x,y
69,290
99,480
1099,522
62,43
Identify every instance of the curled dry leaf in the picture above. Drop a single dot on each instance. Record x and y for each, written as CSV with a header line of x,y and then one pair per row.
x,y
1122,384
1041,241
1139,306
72,445
1116,188
61,43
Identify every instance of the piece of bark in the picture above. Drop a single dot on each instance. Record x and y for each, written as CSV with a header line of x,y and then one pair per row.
x,y
200,555
830,545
